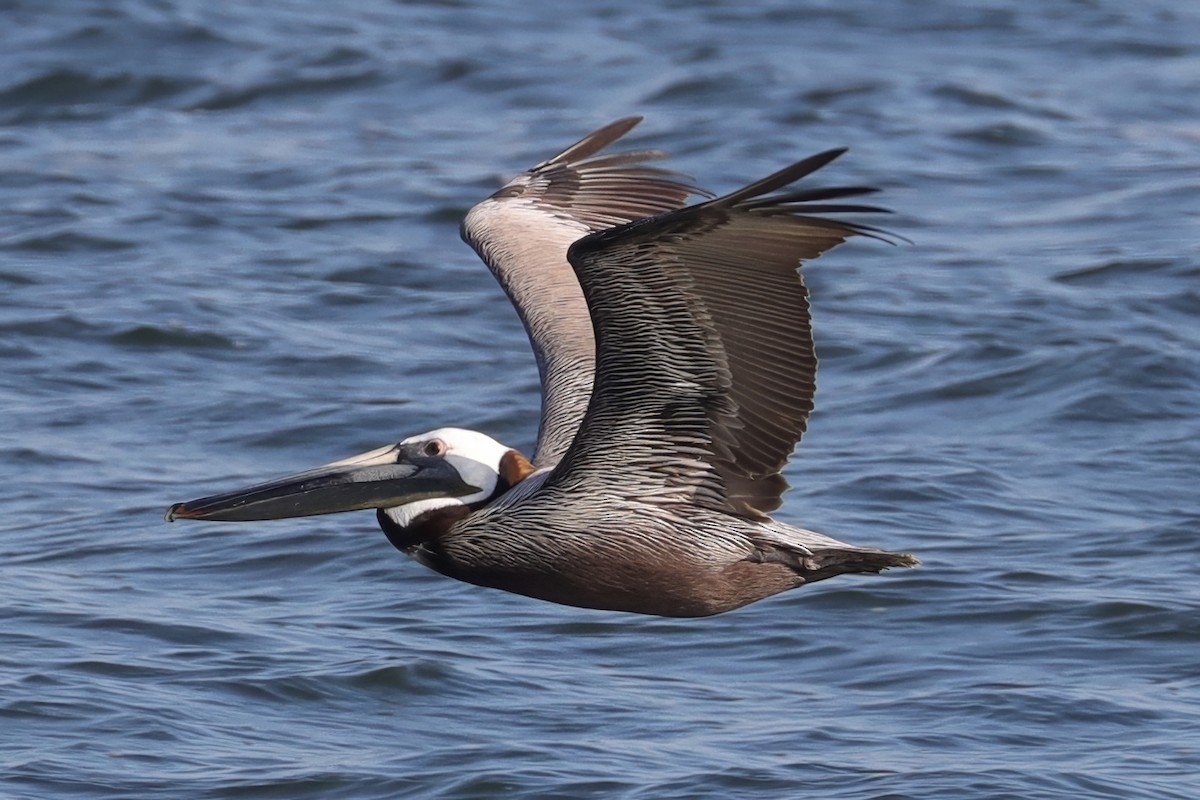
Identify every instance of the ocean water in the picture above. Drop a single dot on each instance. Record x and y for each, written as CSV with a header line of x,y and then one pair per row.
x,y
229,250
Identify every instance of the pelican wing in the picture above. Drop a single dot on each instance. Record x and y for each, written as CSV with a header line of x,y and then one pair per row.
x,y
705,359
522,233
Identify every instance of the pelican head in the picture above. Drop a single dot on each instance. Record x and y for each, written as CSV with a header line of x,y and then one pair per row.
x,y
445,467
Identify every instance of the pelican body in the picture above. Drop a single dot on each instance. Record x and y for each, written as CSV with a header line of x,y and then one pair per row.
x,y
675,351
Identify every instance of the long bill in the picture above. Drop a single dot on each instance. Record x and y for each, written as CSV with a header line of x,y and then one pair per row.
x,y
382,478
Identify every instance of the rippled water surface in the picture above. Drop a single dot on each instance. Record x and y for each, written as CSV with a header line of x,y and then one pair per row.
x,y
228,250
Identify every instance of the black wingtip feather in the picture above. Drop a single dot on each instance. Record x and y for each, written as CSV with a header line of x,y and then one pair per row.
x,y
810,195
594,142
782,178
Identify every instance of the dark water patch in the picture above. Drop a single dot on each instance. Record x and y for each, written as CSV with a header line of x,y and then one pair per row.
x,y
1107,407
342,55
393,274
396,684
885,493
45,215
427,281
284,87
176,30
32,457
1119,270
274,179
174,632
418,678
18,178
346,299
975,97
70,94
808,15
1142,621
317,223
17,279
1142,382
62,326
54,710
1178,537
1140,48
987,382
111,669
1038,706
1002,134
78,545
385,402
940,19
1040,172
1185,302
870,357
290,689
171,337
690,88
301,783
799,117
286,261
65,242
445,214
972,96
456,69
301,363
830,95
285,555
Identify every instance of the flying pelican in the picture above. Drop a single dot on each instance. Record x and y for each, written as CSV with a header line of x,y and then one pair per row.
x,y
674,346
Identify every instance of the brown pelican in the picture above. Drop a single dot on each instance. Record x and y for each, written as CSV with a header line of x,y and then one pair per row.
x,y
675,350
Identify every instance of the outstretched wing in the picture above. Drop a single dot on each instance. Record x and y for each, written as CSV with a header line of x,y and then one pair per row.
x,y
522,233
705,363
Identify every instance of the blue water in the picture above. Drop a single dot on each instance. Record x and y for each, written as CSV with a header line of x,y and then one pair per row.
x,y
228,250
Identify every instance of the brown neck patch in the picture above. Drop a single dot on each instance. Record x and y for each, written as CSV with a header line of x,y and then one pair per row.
x,y
514,468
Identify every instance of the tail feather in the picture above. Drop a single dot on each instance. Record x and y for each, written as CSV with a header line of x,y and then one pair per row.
x,y
825,563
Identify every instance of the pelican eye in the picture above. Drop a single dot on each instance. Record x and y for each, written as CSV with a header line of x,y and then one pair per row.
x,y
434,448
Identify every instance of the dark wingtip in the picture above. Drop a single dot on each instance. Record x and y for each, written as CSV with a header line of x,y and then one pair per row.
x,y
595,141
777,180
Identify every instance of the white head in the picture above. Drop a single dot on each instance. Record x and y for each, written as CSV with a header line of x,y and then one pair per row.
x,y
476,458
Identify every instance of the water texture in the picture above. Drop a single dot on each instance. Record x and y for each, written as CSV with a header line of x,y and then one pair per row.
x,y
228,250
